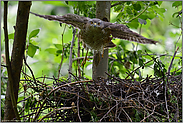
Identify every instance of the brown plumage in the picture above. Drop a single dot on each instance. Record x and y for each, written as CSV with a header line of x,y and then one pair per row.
x,y
97,34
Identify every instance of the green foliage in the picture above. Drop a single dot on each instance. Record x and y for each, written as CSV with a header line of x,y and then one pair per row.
x,y
34,33
94,116
32,50
85,8
159,68
134,12
11,36
32,46
177,3
146,17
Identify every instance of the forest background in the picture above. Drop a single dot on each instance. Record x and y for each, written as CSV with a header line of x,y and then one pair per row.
x,y
162,23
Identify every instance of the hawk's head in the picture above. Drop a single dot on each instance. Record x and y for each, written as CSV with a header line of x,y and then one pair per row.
x,y
95,23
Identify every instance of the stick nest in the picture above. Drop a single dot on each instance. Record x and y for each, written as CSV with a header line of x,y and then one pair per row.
x,y
112,99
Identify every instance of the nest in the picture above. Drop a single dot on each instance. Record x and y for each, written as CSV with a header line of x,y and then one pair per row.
x,y
112,99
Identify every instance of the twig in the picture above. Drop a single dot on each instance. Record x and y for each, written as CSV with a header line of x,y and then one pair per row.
x,y
63,108
139,14
137,68
70,57
54,91
62,52
115,4
149,114
127,115
78,108
30,70
172,61
108,112
78,61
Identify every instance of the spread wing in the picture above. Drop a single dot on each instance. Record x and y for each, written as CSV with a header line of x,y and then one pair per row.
x,y
123,32
72,19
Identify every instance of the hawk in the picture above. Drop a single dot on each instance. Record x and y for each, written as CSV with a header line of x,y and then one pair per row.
x,y
97,34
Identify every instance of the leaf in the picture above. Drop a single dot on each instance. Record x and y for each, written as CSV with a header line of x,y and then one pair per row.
x,y
176,13
137,7
159,69
11,36
34,33
117,8
27,104
55,3
159,2
134,24
151,15
144,17
33,42
160,11
128,10
177,3
51,50
66,2
32,50
58,46
141,62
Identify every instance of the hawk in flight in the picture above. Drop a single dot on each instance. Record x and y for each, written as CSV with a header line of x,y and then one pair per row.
x,y
97,34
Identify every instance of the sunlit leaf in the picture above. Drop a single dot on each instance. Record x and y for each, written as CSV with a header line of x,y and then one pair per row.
x,y
32,50
58,46
34,33
51,50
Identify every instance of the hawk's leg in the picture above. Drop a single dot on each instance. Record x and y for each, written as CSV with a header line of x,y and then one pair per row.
x,y
84,61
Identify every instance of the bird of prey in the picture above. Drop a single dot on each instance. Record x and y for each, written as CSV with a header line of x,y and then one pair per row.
x,y
97,34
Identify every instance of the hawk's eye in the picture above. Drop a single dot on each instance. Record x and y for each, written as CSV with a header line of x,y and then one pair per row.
x,y
98,24
91,22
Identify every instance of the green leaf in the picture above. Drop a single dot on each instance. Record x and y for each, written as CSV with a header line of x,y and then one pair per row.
x,y
129,11
144,17
160,11
176,13
141,62
159,68
32,50
159,2
11,36
33,42
27,104
117,9
137,7
55,3
51,50
133,57
134,24
34,33
177,3
58,46
151,15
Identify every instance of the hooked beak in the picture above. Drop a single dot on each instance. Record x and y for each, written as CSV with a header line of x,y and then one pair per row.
x,y
95,24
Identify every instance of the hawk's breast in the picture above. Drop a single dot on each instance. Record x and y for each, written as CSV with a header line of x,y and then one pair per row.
x,y
95,38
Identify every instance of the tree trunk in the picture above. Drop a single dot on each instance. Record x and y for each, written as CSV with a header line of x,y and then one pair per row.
x,y
17,57
100,64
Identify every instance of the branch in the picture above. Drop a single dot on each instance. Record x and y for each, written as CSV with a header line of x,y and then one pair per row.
x,y
62,52
70,57
8,63
115,4
139,14
172,61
